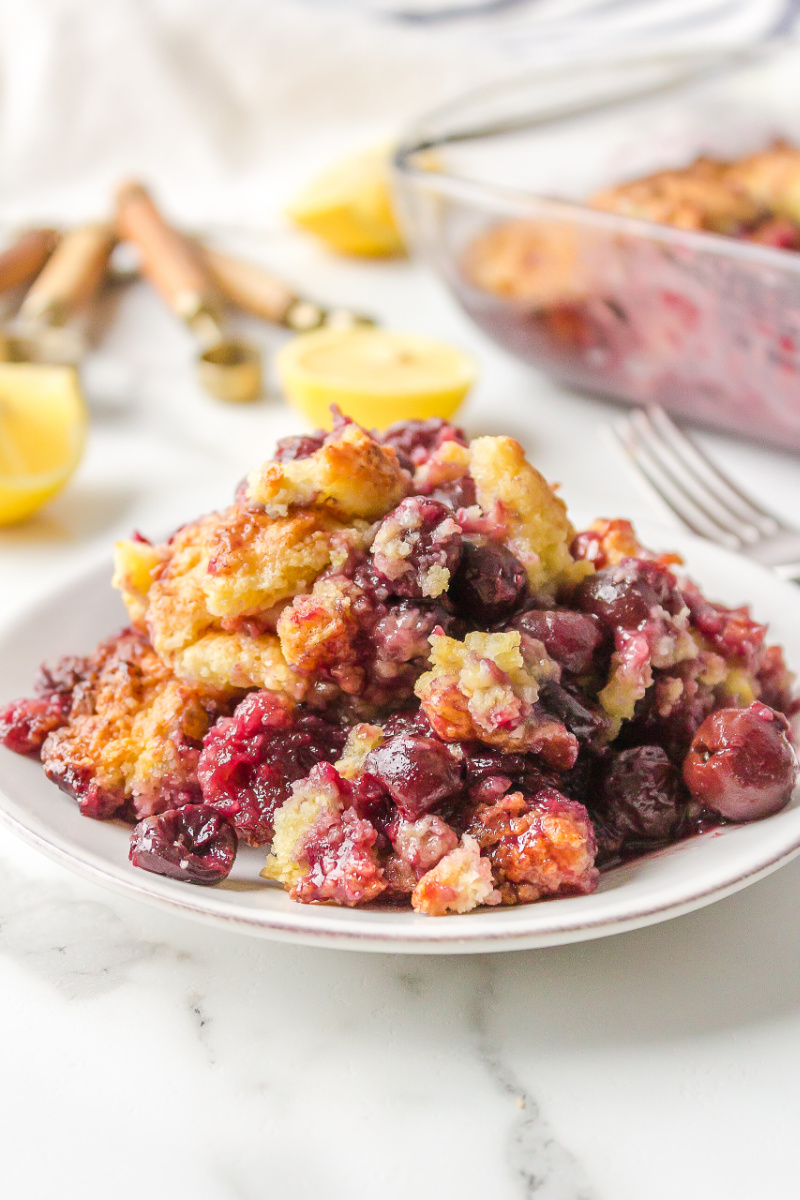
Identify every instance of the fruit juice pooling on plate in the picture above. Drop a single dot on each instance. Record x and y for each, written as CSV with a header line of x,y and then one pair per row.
x,y
394,665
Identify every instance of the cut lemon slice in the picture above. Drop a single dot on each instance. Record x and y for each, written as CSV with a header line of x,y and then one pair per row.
x,y
42,434
376,377
350,207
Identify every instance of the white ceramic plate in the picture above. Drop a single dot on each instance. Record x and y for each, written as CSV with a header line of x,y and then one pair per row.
x,y
661,885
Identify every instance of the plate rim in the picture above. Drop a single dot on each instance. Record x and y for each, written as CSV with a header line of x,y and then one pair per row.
x,y
304,930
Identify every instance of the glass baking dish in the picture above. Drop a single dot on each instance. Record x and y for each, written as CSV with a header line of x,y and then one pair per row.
x,y
491,192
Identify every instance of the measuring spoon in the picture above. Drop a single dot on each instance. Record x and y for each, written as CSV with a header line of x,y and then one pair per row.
x,y
229,369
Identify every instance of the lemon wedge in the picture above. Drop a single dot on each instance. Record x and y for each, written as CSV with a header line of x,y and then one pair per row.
x,y
350,207
375,376
43,425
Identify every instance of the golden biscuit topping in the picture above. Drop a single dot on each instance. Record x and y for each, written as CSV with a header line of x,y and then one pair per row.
x,y
486,689
133,732
351,475
700,196
535,519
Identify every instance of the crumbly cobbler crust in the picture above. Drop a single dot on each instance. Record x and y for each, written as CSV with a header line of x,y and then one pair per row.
x,y
351,476
723,197
554,266
133,732
211,597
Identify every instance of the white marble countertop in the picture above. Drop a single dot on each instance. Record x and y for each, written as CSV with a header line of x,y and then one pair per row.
x,y
147,1055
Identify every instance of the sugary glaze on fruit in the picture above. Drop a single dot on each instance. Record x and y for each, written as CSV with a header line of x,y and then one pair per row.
x,y
393,662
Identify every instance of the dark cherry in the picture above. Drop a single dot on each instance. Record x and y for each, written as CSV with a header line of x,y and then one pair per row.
x,y
741,763
407,720
489,584
580,716
417,771
78,781
489,773
571,638
484,762
457,493
415,441
24,724
402,635
250,760
642,799
65,673
195,844
371,801
580,782
609,843
301,446
416,539
625,596
731,631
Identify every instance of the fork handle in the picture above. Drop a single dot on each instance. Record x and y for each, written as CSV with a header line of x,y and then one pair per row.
x,y
169,261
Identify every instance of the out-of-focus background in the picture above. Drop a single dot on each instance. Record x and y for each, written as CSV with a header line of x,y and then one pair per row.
x,y
225,105
227,109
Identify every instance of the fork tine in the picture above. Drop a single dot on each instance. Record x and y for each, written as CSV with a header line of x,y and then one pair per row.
x,y
719,520
670,495
723,489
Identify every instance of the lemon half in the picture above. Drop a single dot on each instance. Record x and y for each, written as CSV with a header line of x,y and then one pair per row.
x,y
375,376
43,425
350,207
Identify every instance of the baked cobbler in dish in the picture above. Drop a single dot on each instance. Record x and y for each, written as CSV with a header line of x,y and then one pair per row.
x,y
754,199
394,664
680,289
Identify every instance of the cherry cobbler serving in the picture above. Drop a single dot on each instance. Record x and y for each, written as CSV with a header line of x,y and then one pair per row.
x,y
393,664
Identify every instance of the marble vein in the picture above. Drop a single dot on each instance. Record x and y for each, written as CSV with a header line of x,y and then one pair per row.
x,y
200,1016
543,1168
80,947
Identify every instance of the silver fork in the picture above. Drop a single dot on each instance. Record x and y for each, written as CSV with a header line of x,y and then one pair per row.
x,y
706,501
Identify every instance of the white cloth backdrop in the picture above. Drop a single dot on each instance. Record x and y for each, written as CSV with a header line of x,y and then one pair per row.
x,y
225,105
